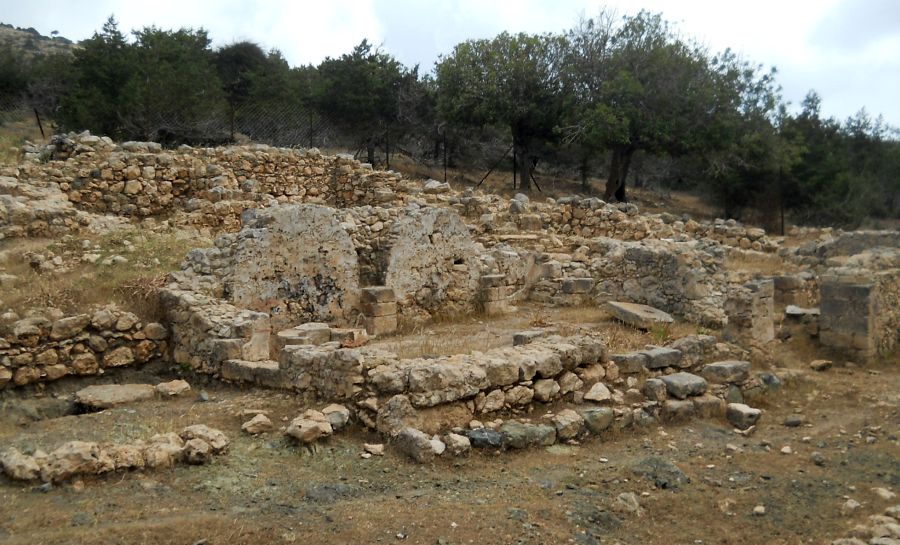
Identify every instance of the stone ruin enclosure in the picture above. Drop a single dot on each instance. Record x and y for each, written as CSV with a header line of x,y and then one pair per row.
x,y
313,255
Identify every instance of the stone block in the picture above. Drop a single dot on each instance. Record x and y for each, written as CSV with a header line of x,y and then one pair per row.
x,y
660,357
377,294
640,316
381,325
379,309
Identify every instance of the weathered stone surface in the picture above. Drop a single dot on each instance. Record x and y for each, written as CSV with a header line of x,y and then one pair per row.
x,y
173,388
660,357
655,390
598,419
457,445
485,438
674,410
723,372
640,316
394,415
709,406
631,363
19,466
434,383
66,328
111,395
258,424
310,427
662,473
415,444
569,424
682,385
73,458
517,435
337,415
526,337
598,393
216,439
419,246
742,416
118,357
295,257
545,389
197,451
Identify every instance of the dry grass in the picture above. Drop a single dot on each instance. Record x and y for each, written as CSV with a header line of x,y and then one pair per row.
x,y
15,129
758,263
130,285
468,334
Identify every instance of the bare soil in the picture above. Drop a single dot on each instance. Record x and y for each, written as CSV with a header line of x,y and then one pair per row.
x,y
267,489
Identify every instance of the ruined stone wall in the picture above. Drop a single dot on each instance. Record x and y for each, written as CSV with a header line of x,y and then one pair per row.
x,y
859,313
48,346
140,179
751,312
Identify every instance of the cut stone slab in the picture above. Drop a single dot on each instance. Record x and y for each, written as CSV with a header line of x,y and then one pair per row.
x,y
723,372
640,316
660,357
111,395
793,311
682,385
742,416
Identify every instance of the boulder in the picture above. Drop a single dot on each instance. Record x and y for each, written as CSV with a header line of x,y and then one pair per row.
x,y
197,451
457,445
415,444
75,458
216,439
569,424
337,415
598,419
640,316
173,388
545,389
258,424
310,427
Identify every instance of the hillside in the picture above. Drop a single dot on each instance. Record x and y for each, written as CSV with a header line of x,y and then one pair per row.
x,y
32,43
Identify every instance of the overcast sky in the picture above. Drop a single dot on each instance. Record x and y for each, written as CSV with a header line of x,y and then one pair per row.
x,y
847,50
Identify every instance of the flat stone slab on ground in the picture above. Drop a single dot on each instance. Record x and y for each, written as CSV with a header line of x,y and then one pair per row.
x,y
640,316
104,396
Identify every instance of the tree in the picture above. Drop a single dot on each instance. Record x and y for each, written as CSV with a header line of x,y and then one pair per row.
x,y
102,67
237,65
173,90
512,80
360,92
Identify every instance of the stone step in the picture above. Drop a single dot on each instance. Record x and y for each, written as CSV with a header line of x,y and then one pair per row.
x,y
264,373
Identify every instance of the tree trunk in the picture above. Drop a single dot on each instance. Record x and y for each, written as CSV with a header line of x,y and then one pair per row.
x,y
618,173
524,165
370,151
583,170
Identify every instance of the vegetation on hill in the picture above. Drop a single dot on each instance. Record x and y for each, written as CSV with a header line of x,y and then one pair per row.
x,y
627,98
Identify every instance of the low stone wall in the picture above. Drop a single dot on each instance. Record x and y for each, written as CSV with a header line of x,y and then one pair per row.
x,y
751,313
48,347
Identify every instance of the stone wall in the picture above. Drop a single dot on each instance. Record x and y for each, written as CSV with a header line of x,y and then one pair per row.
x,y
303,263
139,179
47,346
859,315
751,312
